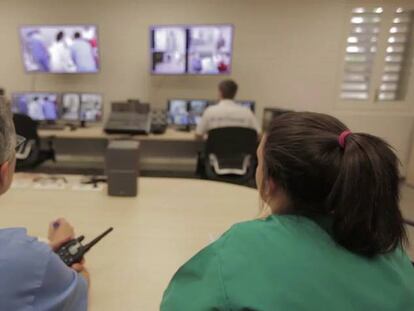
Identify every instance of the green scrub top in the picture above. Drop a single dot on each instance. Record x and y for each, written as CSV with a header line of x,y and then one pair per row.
x,y
289,263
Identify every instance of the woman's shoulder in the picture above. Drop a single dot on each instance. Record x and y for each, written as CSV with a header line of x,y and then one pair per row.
x,y
284,224
274,232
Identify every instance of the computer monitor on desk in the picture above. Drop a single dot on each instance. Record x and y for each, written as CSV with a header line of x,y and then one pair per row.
x,y
177,112
71,107
82,107
40,106
91,107
196,110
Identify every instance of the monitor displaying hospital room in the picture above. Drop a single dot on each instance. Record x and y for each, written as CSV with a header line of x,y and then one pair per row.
x,y
168,49
210,49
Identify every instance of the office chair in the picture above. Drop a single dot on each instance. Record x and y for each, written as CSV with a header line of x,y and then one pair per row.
x,y
230,155
30,155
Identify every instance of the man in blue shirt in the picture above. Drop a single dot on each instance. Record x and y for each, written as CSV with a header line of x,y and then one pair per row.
x,y
49,109
38,51
32,276
82,54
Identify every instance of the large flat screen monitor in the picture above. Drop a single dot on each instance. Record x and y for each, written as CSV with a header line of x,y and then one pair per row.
x,y
168,49
37,105
196,49
210,49
60,49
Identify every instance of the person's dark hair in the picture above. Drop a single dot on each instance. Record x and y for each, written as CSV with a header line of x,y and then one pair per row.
x,y
77,35
357,186
60,36
228,89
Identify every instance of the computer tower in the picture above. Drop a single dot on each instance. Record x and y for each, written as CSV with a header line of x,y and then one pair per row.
x,y
122,168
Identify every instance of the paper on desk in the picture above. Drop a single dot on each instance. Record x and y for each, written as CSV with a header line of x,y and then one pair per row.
x,y
49,185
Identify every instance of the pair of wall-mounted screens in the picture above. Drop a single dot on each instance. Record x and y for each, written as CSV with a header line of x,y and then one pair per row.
x,y
203,49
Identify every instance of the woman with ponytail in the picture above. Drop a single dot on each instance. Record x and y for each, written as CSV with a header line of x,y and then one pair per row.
x,y
333,240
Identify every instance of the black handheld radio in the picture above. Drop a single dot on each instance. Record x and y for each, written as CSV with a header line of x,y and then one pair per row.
x,y
73,251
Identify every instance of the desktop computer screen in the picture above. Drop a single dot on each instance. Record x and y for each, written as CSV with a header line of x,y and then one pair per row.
x,y
37,105
196,109
91,107
71,103
178,112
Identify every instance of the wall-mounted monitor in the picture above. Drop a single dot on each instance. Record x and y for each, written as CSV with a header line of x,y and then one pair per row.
x,y
91,108
210,49
168,49
60,49
196,49
40,106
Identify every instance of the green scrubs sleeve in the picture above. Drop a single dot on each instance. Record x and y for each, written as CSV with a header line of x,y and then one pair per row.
x,y
198,285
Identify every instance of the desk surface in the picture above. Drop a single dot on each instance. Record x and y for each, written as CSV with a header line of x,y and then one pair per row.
x,y
96,132
155,233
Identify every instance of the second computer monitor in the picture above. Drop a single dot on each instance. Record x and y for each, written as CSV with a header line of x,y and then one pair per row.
x,y
91,107
186,112
82,107
196,109
70,107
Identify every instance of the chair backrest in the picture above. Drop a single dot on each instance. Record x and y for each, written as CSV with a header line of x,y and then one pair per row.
x,y
26,127
231,141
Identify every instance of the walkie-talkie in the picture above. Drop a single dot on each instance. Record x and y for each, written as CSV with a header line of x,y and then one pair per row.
x,y
73,251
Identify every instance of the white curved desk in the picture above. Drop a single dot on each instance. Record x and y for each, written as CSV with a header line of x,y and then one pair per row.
x,y
169,221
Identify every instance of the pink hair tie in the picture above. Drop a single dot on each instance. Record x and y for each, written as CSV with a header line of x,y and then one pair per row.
x,y
342,138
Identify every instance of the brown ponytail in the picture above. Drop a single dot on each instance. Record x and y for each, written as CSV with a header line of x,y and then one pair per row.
x,y
356,185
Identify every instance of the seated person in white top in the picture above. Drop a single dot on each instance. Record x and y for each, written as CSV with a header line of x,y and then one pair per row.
x,y
227,113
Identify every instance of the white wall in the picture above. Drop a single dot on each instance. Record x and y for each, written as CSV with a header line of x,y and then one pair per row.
x,y
286,53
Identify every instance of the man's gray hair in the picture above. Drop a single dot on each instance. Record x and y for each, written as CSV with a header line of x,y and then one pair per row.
x,y
7,132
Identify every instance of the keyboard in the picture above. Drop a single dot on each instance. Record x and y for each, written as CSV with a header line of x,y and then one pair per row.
x,y
128,123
